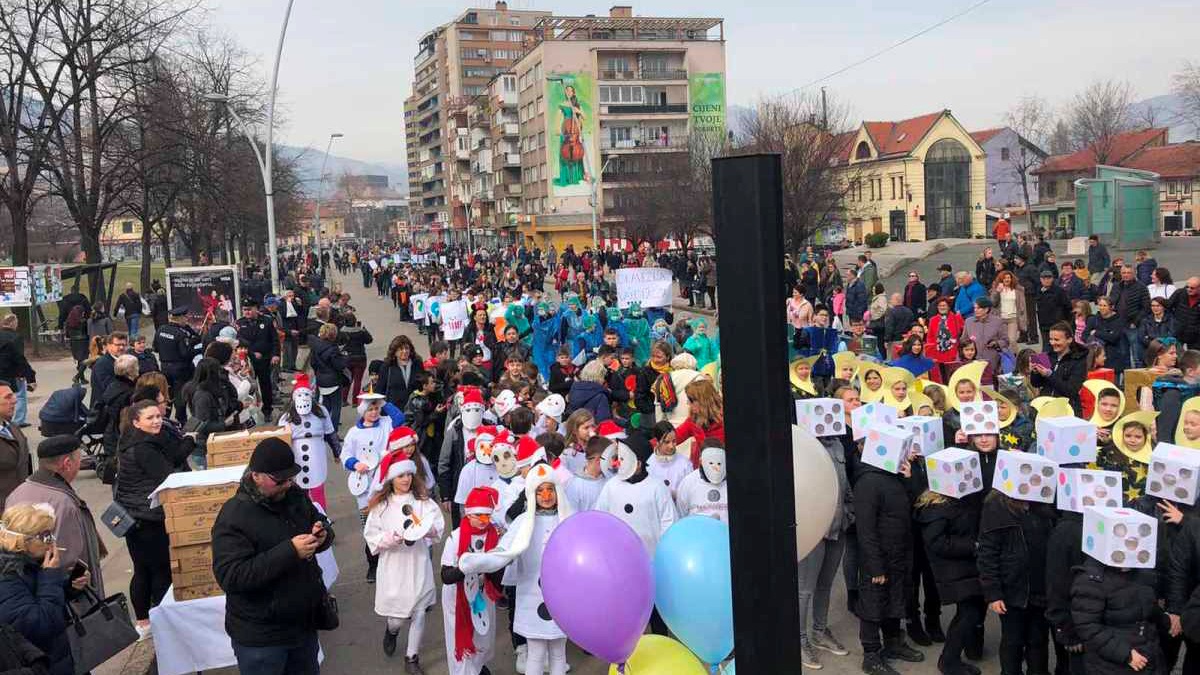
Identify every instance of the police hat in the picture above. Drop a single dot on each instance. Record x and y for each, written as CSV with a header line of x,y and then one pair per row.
x,y
179,311
249,302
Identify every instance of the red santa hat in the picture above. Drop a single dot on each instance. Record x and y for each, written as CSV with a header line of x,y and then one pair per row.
x,y
301,382
482,500
400,438
529,452
394,465
610,429
470,395
486,434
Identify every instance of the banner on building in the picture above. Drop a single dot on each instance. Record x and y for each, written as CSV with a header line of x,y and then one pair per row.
x,y
16,289
47,283
571,146
203,290
454,320
651,286
706,98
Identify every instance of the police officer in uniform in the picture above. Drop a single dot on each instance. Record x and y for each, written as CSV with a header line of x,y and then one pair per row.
x,y
258,330
177,345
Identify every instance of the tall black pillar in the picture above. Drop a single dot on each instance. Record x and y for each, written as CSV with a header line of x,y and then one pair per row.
x,y
748,219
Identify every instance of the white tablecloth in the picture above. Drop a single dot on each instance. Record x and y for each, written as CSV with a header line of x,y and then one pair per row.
x,y
190,636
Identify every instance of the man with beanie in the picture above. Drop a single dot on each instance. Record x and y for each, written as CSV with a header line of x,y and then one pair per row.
x,y
59,458
265,542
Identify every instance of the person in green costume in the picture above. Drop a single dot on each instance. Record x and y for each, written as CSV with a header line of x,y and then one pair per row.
x,y
514,315
700,345
638,330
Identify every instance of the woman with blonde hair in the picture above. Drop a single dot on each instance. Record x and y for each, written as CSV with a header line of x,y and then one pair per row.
x,y
1009,298
33,586
588,392
706,417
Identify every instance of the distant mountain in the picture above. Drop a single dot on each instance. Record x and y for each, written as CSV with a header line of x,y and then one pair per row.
x,y
1166,111
309,160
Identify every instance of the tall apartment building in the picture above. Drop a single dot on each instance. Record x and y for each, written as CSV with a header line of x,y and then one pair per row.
x,y
455,63
597,99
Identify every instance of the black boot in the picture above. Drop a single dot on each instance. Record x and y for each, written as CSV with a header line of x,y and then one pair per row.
x,y
874,664
973,651
897,649
962,668
916,633
412,665
852,601
389,642
372,566
933,628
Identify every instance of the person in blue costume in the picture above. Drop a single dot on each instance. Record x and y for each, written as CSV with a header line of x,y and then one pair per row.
x,y
617,323
821,341
912,357
660,331
514,315
653,314
572,320
591,337
700,345
638,331
546,325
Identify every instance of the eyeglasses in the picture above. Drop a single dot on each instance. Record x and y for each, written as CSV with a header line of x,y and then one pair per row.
x,y
44,537
281,481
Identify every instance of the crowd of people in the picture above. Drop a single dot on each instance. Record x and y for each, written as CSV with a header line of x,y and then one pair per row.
x,y
552,400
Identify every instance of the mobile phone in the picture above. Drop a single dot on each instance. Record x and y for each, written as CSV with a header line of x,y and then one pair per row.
x,y
79,569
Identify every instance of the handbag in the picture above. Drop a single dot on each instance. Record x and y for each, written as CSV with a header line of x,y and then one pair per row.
x,y
101,632
117,519
327,613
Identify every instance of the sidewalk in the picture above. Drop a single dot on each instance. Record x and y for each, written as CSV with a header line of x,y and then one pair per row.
x,y
897,254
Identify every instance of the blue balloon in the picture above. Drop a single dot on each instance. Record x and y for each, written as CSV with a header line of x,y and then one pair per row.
x,y
692,585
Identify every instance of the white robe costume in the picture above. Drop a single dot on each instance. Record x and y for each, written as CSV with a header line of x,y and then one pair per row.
x,y
485,645
309,447
645,506
583,491
405,576
698,497
361,438
474,474
669,470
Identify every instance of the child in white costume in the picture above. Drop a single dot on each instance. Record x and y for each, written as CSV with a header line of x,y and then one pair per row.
x,y
469,600
402,522
480,469
631,495
521,551
667,466
312,437
703,491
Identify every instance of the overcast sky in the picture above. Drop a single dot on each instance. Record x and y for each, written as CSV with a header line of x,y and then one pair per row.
x,y
347,64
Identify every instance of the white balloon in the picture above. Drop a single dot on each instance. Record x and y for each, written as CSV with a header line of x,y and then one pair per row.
x,y
816,487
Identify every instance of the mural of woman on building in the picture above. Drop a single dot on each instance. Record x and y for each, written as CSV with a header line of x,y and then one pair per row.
x,y
571,167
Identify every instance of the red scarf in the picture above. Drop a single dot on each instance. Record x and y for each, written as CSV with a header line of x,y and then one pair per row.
x,y
464,630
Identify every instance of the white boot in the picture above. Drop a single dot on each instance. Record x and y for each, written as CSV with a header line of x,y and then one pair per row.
x,y
522,650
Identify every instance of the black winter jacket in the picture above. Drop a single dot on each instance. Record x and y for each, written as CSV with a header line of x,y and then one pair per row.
x,y
272,596
1131,301
19,656
328,362
145,461
1067,376
1116,612
107,412
1012,551
1053,306
393,385
1186,315
1064,553
13,363
949,530
884,525
33,601
1183,569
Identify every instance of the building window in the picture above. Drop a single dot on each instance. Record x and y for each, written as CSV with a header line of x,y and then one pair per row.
x,y
1004,154
541,139
893,187
872,181
1187,187
1171,189
127,227
947,190
1051,188
863,151
622,94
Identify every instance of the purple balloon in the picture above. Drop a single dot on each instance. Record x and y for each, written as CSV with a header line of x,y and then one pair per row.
x,y
598,584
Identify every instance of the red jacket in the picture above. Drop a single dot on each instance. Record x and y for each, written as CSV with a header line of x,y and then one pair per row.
x,y
690,429
955,323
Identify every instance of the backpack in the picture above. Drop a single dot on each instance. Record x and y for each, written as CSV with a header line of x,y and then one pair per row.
x,y
75,318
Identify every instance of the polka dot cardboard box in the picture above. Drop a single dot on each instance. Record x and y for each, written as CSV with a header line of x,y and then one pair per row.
x,y
927,433
1066,440
1120,537
1025,476
980,417
1082,488
886,447
821,416
871,416
1174,473
954,472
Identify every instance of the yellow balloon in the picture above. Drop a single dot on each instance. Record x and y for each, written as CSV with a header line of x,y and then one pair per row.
x,y
658,655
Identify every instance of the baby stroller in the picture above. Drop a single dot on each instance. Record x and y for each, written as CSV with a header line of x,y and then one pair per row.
x,y
65,413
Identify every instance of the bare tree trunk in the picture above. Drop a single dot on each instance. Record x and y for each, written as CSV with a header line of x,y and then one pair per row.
x,y
147,244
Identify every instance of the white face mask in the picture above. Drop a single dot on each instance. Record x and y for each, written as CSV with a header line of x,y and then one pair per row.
x,y
302,399
472,416
553,406
712,465
624,462
505,402
484,451
505,458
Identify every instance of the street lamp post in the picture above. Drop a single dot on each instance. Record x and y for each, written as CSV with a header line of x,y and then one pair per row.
x,y
265,160
320,191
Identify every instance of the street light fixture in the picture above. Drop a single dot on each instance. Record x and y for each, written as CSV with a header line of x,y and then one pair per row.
x,y
320,191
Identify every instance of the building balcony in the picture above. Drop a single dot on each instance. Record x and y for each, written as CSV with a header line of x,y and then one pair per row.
x,y
511,129
659,75
644,109
679,142
511,159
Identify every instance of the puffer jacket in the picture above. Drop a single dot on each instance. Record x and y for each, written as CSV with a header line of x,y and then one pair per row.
x,y
145,461
1186,315
884,526
33,601
949,530
1115,612
1067,376
1064,552
1012,551
328,362
19,656
589,396
272,595
113,400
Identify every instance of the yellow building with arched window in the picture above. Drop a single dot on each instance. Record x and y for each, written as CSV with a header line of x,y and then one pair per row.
x,y
916,179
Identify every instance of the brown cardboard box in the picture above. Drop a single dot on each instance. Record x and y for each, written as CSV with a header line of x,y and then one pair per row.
x,y
196,507
1135,379
190,537
193,578
233,448
191,558
198,492
197,592
203,521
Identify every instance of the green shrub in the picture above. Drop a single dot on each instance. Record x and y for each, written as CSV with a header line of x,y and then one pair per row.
x,y
876,239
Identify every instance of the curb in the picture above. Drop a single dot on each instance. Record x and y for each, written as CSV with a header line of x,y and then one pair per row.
x,y
901,262
136,659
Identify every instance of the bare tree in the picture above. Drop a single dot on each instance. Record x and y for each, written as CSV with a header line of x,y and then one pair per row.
x,y
1059,141
813,143
1032,120
1186,84
1099,114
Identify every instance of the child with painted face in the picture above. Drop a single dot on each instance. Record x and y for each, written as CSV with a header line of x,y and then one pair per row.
x,y
665,466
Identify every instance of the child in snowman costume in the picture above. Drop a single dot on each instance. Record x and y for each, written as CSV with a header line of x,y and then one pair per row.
x,y
585,486
549,414
404,440
520,551
313,438
667,466
402,523
703,492
644,504
480,469
453,456
469,600
365,444
502,404
508,482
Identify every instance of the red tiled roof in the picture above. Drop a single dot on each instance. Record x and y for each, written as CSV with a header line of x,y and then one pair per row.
x,y
1123,147
899,138
986,135
1178,160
